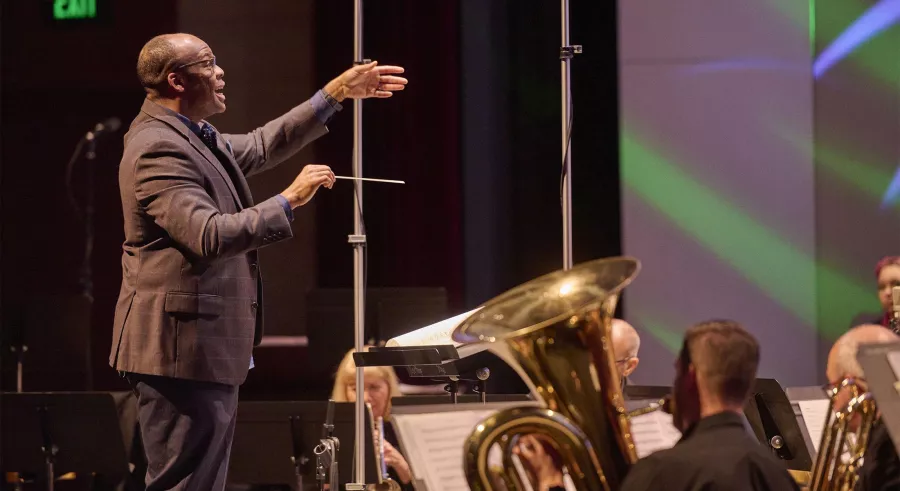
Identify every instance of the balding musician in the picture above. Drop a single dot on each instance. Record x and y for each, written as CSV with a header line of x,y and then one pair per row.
x,y
881,466
190,306
626,344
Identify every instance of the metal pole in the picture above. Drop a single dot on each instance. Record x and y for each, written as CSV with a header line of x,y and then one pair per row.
x,y
566,146
359,244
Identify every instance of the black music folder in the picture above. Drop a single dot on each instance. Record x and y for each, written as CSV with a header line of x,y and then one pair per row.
x,y
61,432
881,364
268,434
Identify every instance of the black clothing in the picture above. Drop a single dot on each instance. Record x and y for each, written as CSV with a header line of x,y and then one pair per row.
x,y
187,427
881,466
717,453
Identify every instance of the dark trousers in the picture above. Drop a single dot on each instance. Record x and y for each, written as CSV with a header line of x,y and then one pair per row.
x,y
187,428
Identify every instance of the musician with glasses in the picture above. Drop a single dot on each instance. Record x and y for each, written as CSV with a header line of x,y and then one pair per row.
x,y
626,344
881,466
715,372
190,305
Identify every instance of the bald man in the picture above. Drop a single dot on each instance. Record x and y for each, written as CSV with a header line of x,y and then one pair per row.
x,y
190,306
626,344
881,467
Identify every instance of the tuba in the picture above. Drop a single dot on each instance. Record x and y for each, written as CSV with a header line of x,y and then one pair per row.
x,y
843,446
555,332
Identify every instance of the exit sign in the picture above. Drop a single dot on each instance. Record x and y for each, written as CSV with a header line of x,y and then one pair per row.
x,y
74,9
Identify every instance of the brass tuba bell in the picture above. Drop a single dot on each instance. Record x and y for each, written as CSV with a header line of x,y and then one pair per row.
x,y
555,332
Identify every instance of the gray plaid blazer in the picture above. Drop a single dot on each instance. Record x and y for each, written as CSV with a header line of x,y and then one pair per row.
x,y
190,305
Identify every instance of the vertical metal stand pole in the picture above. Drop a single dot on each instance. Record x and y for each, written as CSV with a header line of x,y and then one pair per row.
x,y
566,53
358,240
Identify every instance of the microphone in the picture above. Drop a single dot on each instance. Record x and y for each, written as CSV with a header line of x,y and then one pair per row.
x,y
895,310
109,125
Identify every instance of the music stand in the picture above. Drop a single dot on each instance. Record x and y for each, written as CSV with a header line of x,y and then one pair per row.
x,y
53,433
270,435
775,424
881,364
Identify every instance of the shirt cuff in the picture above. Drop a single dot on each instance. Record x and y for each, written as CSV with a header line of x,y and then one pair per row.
x,y
324,106
287,207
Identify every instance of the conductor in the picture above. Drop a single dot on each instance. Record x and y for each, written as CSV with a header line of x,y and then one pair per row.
x,y
190,305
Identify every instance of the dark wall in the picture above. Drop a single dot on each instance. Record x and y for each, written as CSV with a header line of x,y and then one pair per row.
x,y
58,81
476,137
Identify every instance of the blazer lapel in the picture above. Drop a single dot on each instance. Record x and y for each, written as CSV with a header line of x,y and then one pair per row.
x,y
243,189
162,114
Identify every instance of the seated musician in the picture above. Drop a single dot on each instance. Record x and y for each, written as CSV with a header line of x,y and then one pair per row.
x,y
381,384
881,466
542,463
626,344
887,275
715,372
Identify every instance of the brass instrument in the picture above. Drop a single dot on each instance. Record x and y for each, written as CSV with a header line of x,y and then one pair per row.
x,y
555,331
842,446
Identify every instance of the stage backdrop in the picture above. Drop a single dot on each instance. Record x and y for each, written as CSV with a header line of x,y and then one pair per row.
x,y
755,182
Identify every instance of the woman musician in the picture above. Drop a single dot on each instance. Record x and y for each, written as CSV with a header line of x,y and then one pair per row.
x,y
381,384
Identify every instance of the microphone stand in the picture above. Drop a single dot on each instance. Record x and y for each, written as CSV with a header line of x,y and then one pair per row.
x,y
87,270
329,446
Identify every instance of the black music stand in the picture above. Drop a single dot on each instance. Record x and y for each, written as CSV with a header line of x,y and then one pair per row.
x,y
775,424
47,434
881,364
270,436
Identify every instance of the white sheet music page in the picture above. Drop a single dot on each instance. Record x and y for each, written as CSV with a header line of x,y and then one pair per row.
x,y
437,333
653,431
433,446
814,413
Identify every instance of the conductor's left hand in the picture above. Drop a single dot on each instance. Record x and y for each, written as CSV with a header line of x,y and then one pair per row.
x,y
365,81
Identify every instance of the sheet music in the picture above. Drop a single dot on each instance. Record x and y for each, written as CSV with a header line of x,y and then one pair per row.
x,y
435,334
433,446
814,413
653,431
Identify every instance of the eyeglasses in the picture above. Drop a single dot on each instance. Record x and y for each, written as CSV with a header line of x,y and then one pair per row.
x,y
206,63
624,360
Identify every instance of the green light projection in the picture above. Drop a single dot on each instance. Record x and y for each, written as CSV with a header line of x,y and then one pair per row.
x,y
770,262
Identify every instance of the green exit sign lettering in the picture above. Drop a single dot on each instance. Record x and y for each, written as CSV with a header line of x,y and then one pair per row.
x,y
74,9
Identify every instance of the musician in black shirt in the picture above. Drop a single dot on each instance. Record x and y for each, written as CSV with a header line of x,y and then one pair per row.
x,y
881,466
714,375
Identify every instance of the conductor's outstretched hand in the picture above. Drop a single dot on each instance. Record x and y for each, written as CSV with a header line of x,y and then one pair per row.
x,y
365,81
307,183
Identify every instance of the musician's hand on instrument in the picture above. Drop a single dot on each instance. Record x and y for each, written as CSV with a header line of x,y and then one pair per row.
x,y
395,460
365,81
307,183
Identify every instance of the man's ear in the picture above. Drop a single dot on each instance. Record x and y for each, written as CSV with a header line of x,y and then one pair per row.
x,y
630,366
176,82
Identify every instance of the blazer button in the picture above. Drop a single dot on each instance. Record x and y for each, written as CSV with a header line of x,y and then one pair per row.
x,y
254,305
253,267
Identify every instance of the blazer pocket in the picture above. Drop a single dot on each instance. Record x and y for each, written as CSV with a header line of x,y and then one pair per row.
x,y
194,303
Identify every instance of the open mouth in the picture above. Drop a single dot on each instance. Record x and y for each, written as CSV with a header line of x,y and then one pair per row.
x,y
220,93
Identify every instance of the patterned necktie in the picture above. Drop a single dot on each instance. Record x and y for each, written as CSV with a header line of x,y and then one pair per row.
x,y
208,135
